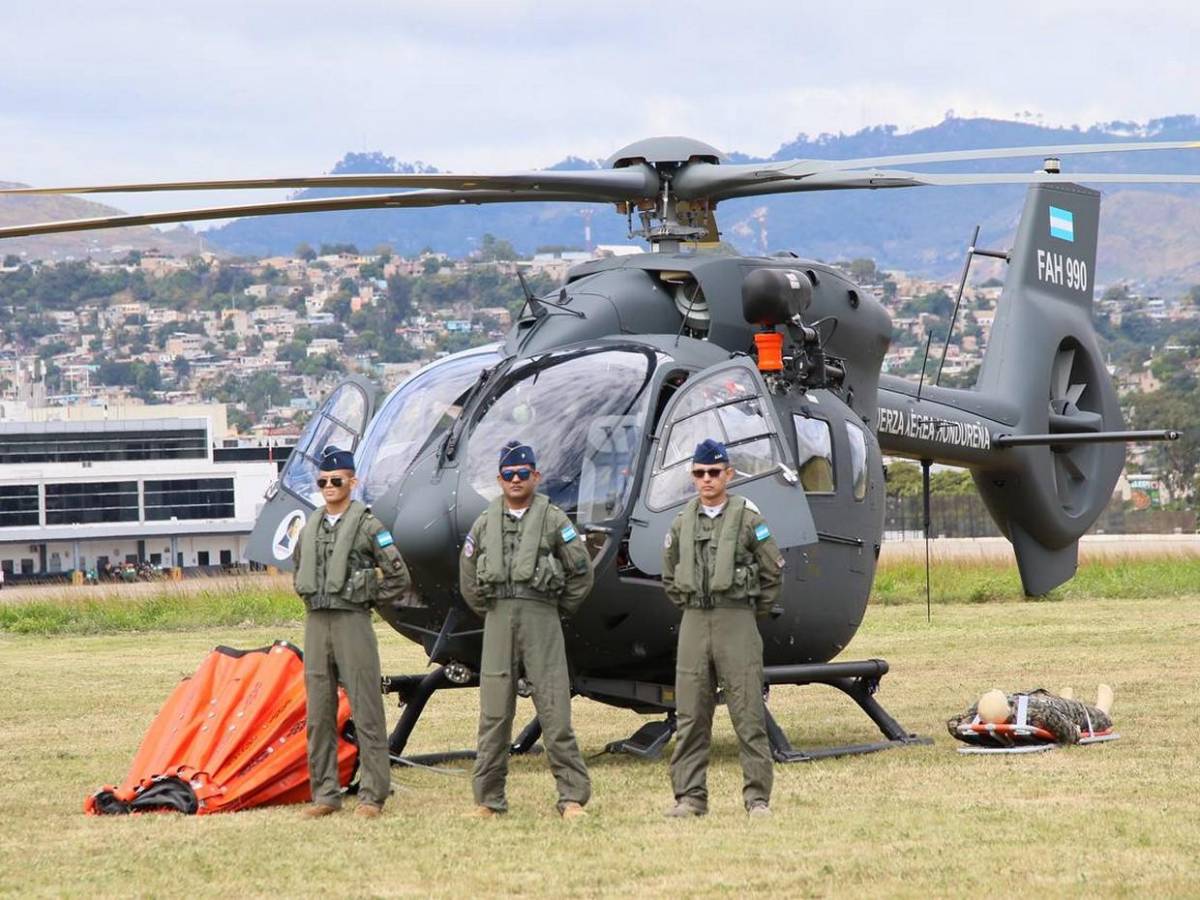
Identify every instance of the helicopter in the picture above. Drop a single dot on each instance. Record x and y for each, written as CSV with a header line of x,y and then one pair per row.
x,y
616,376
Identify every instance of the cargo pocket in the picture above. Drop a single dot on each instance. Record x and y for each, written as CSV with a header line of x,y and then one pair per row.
x,y
753,589
364,587
549,576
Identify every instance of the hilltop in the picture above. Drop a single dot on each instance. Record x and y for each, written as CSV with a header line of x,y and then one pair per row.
x,y
921,230
79,245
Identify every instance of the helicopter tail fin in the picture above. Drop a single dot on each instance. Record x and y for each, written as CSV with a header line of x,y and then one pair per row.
x,y
1043,354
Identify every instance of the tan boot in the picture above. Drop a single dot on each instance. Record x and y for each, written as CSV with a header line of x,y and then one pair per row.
x,y
684,810
759,810
573,810
317,810
368,811
484,812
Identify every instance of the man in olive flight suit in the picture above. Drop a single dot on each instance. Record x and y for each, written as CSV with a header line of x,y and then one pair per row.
x,y
345,563
523,566
722,568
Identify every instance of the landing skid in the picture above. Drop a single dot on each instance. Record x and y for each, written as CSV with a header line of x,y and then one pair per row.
x,y
859,680
414,692
648,741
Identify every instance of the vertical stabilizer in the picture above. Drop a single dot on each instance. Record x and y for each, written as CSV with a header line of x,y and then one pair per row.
x,y
1044,356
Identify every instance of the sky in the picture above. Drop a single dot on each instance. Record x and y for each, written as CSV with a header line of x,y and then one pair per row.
x,y
132,90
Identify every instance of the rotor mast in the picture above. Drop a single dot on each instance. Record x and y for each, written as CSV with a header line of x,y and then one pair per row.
x,y
667,220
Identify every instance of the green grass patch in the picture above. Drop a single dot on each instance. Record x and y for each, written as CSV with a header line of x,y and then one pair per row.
x,y
266,600
1116,820
171,609
991,581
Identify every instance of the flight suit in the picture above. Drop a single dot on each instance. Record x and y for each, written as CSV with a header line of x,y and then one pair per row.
x,y
735,574
341,571
521,576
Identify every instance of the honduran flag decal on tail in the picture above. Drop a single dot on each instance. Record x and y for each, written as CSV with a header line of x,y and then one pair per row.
x,y
1062,224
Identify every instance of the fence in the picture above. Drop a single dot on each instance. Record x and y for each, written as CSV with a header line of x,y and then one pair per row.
x,y
965,515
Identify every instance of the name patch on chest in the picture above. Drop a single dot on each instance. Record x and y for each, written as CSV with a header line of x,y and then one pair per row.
x,y
384,539
762,532
569,534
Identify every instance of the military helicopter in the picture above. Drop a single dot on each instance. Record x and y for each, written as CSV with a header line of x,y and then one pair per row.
x,y
616,376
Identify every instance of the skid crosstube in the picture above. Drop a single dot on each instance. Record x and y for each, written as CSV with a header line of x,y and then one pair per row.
x,y
858,679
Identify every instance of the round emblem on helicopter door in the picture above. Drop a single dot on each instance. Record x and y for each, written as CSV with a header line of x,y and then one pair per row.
x,y
287,535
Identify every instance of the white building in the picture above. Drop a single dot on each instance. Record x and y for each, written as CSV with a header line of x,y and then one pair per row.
x,y
78,495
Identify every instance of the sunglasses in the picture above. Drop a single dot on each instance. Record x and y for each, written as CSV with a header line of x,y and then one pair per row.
x,y
335,481
710,473
523,474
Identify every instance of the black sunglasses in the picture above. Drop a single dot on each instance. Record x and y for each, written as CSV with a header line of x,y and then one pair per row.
x,y
522,473
336,481
711,473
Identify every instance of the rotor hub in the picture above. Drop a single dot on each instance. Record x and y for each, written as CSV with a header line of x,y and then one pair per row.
x,y
667,152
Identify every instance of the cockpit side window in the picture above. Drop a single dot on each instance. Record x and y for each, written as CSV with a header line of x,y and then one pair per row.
x,y
583,414
424,405
814,451
338,423
725,406
858,459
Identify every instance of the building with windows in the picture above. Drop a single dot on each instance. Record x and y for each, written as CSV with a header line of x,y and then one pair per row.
x,y
82,495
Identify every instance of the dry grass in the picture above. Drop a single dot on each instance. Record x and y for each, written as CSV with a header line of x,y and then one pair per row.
x,y
1108,820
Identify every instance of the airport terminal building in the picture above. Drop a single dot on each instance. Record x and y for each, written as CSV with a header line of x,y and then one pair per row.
x,y
86,494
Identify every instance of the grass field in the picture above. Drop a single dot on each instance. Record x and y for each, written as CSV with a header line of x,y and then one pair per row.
x,y
1109,820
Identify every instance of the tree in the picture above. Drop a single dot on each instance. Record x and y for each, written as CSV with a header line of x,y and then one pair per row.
x,y
11,261
1171,369
863,271
492,249
399,296
54,348
1117,293
182,367
305,252
903,479
1176,462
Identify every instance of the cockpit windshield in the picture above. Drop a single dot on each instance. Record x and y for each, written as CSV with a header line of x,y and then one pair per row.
x,y
583,413
425,404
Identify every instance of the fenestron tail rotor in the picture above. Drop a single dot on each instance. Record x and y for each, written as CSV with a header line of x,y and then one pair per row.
x,y
1073,410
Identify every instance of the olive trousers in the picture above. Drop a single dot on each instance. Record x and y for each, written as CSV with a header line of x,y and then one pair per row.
x,y
340,646
524,638
720,646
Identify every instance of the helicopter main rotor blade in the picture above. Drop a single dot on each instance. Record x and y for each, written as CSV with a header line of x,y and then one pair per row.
x,y
287,207
897,178
610,185
1048,150
709,180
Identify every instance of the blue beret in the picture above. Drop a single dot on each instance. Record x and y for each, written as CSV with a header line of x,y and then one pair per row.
x,y
710,451
514,453
334,458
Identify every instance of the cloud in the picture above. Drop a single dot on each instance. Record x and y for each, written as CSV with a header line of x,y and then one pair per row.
x,y
140,90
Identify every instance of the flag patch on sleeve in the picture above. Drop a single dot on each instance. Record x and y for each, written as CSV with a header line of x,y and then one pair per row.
x,y
762,532
569,534
384,538
469,547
